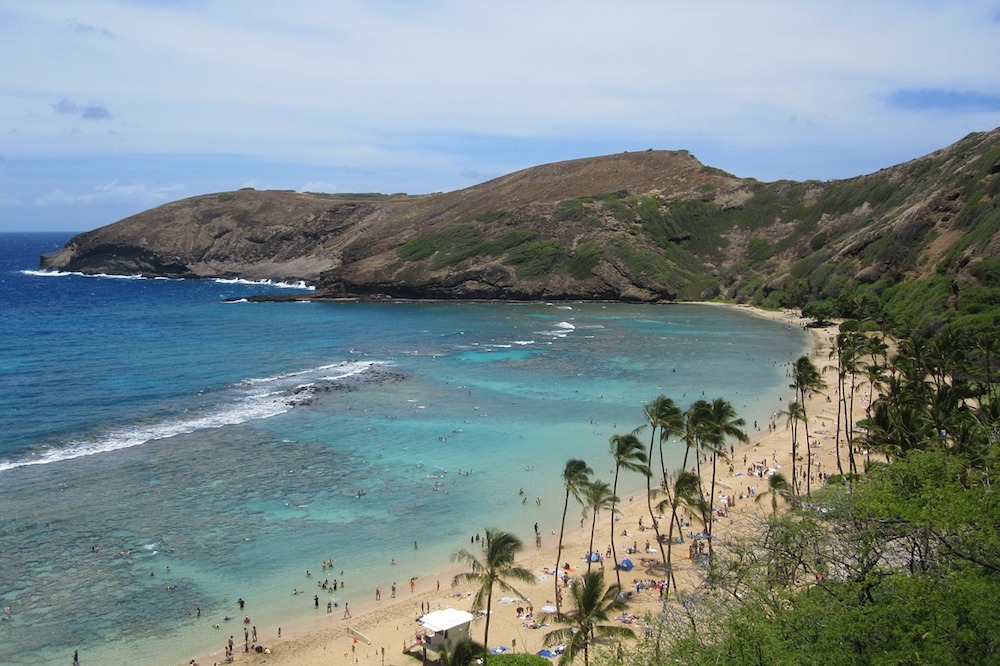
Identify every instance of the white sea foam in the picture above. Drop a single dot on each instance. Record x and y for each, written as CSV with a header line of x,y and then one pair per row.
x,y
298,284
562,329
39,273
256,398
344,369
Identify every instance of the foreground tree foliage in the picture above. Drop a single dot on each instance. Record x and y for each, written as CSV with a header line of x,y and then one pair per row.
x,y
492,569
594,606
898,564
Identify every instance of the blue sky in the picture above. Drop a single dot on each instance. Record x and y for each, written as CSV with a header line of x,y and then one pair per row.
x,y
110,107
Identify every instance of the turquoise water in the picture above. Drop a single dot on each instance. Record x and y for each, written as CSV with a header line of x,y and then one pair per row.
x,y
229,441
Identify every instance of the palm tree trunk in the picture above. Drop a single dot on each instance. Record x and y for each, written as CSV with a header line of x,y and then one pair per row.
x,y
562,529
841,408
614,550
805,424
711,505
671,579
593,527
649,500
701,489
795,435
663,464
486,629
849,429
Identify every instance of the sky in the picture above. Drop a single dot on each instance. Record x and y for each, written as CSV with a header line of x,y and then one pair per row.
x,y
111,107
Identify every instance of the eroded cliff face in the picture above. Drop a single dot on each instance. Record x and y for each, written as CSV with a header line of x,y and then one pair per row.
x,y
348,246
648,226
274,235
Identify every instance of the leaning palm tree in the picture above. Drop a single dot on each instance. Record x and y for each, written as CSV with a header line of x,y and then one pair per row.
x,y
686,492
628,454
662,414
495,566
463,652
593,607
597,495
777,487
576,473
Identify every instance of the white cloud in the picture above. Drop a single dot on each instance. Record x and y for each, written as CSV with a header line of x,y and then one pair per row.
x,y
318,186
109,194
412,89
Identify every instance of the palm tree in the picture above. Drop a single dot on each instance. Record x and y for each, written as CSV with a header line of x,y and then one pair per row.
x,y
628,454
593,606
462,652
721,422
687,492
847,350
662,414
493,569
807,381
777,487
795,414
576,473
598,496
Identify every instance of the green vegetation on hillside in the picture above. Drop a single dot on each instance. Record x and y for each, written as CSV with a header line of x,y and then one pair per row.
x,y
900,247
895,561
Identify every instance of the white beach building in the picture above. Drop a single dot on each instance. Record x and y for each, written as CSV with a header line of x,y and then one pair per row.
x,y
444,628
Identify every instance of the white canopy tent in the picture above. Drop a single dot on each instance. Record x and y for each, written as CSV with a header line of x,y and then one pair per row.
x,y
445,627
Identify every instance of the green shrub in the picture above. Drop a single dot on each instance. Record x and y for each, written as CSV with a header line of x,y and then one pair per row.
x,y
536,258
581,266
421,247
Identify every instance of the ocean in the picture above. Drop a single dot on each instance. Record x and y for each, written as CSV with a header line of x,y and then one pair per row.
x,y
166,446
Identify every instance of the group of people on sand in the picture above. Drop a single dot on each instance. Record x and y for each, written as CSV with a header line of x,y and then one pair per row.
x,y
250,642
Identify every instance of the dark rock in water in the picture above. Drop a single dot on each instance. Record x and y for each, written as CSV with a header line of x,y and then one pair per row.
x,y
307,395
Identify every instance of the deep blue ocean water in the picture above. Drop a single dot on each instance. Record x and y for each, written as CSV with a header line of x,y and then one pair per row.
x,y
228,441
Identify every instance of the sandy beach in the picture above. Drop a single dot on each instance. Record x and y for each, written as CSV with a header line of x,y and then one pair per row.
x,y
378,630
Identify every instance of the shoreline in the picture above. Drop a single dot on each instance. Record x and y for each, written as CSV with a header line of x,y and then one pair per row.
x,y
390,623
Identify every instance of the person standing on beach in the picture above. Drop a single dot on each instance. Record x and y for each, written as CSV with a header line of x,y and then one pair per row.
x,y
347,611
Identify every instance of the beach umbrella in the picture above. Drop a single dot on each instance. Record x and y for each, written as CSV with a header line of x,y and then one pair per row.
x,y
546,653
500,649
626,564
594,557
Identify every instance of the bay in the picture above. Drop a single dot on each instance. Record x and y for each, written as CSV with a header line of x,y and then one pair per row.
x,y
164,450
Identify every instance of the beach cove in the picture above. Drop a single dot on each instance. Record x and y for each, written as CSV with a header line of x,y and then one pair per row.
x,y
167,451
381,631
